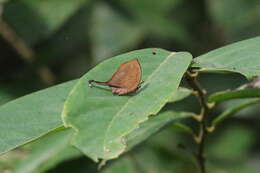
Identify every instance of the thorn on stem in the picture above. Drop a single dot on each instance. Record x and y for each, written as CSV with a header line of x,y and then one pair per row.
x,y
211,105
194,74
196,93
197,139
101,164
197,117
210,129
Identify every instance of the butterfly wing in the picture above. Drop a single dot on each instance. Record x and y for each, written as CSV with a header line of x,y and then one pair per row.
x,y
127,76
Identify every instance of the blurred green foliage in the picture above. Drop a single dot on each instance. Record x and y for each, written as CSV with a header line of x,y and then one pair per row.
x,y
69,37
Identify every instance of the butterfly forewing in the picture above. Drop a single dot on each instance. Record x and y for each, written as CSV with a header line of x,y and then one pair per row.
x,y
125,80
127,76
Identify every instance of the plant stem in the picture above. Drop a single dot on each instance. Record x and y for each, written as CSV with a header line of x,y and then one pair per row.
x,y
200,139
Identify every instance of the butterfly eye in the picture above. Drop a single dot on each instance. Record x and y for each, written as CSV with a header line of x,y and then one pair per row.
x,y
125,80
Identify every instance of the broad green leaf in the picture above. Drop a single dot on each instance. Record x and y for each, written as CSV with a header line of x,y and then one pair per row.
x,y
241,57
180,94
10,159
54,147
250,112
102,120
47,152
31,116
234,94
233,110
155,124
34,20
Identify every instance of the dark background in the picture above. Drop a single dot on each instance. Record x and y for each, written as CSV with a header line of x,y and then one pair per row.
x,y
47,42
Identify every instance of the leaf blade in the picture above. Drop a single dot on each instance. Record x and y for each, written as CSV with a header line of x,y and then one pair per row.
x,y
231,111
20,122
181,94
234,94
84,106
241,57
47,152
154,124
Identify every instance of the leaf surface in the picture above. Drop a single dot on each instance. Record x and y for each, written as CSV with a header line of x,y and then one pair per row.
x,y
242,57
153,125
233,110
181,94
47,152
31,116
102,120
234,94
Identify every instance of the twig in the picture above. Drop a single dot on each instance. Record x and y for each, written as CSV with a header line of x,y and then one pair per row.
x,y
25,52
200,139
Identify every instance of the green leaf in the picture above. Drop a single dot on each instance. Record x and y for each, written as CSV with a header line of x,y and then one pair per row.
x,y
233,110
10,159
31,116
34,20
54,148
102,120
234,94
47,152
180,94
155,124
183,128
241,57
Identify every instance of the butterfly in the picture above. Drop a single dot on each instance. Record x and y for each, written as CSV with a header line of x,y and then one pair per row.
x,y
127,78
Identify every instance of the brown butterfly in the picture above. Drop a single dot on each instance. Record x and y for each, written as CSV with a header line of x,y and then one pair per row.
x,y
125,80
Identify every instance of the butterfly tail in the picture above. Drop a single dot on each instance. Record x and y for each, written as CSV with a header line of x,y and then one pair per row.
x,y
90,83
